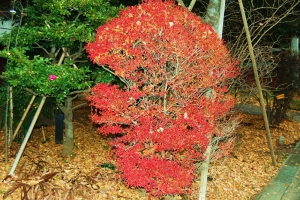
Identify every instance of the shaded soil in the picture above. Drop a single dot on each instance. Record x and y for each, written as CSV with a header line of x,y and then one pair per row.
x,y
89,172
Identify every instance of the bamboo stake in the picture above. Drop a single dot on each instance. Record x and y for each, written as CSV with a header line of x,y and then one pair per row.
x,y
180,2
190,8
7,131
43,132
6,126
11,116
261,98
23,117
38,111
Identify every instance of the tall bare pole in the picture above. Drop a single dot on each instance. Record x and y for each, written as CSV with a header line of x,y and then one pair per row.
x,y
261,98
11,114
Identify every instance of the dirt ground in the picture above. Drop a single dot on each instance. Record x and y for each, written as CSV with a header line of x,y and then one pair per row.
x,y
89,173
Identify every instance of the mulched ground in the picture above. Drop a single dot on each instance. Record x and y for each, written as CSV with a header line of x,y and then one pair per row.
x,y
89,173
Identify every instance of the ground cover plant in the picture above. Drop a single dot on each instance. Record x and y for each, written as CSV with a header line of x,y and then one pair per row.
x,y
176,72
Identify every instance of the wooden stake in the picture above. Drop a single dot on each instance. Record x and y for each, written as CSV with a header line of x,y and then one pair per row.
x,y
23,117
261,98
11,116
38,111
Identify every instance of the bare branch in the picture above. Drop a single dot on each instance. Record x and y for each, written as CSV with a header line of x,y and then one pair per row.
x,y
79,106
45,50
79,91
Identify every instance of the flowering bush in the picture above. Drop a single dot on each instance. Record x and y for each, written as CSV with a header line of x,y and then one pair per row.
x,y
52,77
50,32
176,71
41,76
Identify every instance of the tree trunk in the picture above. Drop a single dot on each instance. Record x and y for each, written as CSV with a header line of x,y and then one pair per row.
x,y
204,173
213,14
295,46
68,120
215,17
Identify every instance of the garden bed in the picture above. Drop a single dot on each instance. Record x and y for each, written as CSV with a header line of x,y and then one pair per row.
x,y
90,172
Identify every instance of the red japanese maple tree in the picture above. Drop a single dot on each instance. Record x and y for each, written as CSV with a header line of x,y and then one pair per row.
x,y
175,70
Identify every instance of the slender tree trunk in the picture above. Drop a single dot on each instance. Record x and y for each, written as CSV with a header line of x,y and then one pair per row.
x,y
215,17
204,172
68,120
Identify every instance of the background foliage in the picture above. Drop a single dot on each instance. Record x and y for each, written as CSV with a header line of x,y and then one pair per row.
x,y
49,31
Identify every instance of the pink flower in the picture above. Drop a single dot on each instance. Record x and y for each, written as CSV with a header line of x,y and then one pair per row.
x,y
52,77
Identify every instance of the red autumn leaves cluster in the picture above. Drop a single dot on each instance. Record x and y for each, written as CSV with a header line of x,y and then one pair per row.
x,y
175,70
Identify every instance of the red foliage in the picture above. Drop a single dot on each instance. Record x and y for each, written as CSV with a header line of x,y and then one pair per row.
x,y
160,176
176,70
116,106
